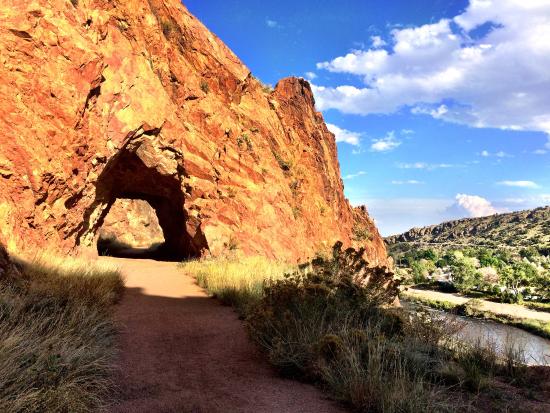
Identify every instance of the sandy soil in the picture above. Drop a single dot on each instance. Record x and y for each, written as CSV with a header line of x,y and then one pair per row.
x,y
181,351
513,310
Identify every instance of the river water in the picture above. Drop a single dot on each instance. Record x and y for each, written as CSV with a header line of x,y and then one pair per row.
x,y
536,350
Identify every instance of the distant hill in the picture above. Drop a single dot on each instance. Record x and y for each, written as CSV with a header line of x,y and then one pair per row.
x,y
516,229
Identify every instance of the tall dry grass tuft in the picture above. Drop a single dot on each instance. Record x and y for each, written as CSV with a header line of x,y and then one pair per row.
x,y
236,281
56,335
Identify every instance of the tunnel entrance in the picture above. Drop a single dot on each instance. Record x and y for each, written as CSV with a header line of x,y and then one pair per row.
x,y
143,184
131,229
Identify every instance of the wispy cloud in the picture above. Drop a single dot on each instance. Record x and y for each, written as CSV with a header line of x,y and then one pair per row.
x,y
344,135
385,144
407,182
424,165
355,175
499,154
272,24
520,184
310,75
377,42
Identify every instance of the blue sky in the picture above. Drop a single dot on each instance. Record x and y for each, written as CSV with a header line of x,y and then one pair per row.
x,y
441,107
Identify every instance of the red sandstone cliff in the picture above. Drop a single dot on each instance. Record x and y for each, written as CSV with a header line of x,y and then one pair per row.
x,y
107,99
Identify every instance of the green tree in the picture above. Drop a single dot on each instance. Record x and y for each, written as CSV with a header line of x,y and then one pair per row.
x,y
514,277
465,275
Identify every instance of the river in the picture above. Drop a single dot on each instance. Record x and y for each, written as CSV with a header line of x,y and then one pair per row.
x,y
536,350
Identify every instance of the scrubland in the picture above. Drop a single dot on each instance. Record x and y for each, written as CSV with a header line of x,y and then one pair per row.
x,y
316,323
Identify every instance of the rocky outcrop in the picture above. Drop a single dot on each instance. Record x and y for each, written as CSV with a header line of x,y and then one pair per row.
x,y
136,99
132,222
530,228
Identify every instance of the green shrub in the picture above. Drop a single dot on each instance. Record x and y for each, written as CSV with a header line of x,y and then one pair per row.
x,y
205,87
244,140
284,165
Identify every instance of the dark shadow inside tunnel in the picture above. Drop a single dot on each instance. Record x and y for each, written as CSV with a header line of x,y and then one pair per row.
x,y
127,180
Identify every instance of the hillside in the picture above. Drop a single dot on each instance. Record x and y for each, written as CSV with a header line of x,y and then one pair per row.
x,y
137,100
529,228
505,257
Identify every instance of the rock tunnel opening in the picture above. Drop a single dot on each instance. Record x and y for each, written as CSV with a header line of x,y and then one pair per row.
x,y
131,229
139,176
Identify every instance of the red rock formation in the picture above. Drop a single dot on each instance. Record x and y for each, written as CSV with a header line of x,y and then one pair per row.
x,y
132,222
137,99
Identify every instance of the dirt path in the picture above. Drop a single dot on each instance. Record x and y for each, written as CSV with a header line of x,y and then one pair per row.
x,y
184,352
513,310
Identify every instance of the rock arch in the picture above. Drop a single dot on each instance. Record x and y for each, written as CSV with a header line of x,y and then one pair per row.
x,y
144,170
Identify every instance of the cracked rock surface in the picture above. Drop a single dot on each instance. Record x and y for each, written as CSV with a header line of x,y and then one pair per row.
x,y
136,99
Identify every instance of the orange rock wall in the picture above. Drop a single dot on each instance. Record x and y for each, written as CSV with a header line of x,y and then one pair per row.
x,y
103,99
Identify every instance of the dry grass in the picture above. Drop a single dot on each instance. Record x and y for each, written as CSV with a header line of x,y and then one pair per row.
x,y
236,281
56,336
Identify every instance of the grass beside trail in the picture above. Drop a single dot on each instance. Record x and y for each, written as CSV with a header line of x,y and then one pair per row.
x,y
56,336
470,309
236,282
317,324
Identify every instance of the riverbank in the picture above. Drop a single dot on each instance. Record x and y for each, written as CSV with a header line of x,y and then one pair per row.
x,y
536,322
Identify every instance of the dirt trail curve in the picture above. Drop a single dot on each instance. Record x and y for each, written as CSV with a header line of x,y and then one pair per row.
x,y
181,351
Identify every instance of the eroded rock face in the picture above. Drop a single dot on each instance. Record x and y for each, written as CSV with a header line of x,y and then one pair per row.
x,y
133,222
136,99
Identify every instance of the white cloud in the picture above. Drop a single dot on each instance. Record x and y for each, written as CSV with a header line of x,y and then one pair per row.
x,y
394,216
272,24
540,152
397,215
475,206
424,165
499,154
406,132
385,144
343,135
310,75
520,184
515,200
355,175
408,182
499,80
377,41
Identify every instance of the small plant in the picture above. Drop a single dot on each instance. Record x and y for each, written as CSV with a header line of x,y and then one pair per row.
x,y
167,27
231,193
232,244
284,165
204,86
244,140
294,187
361,233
